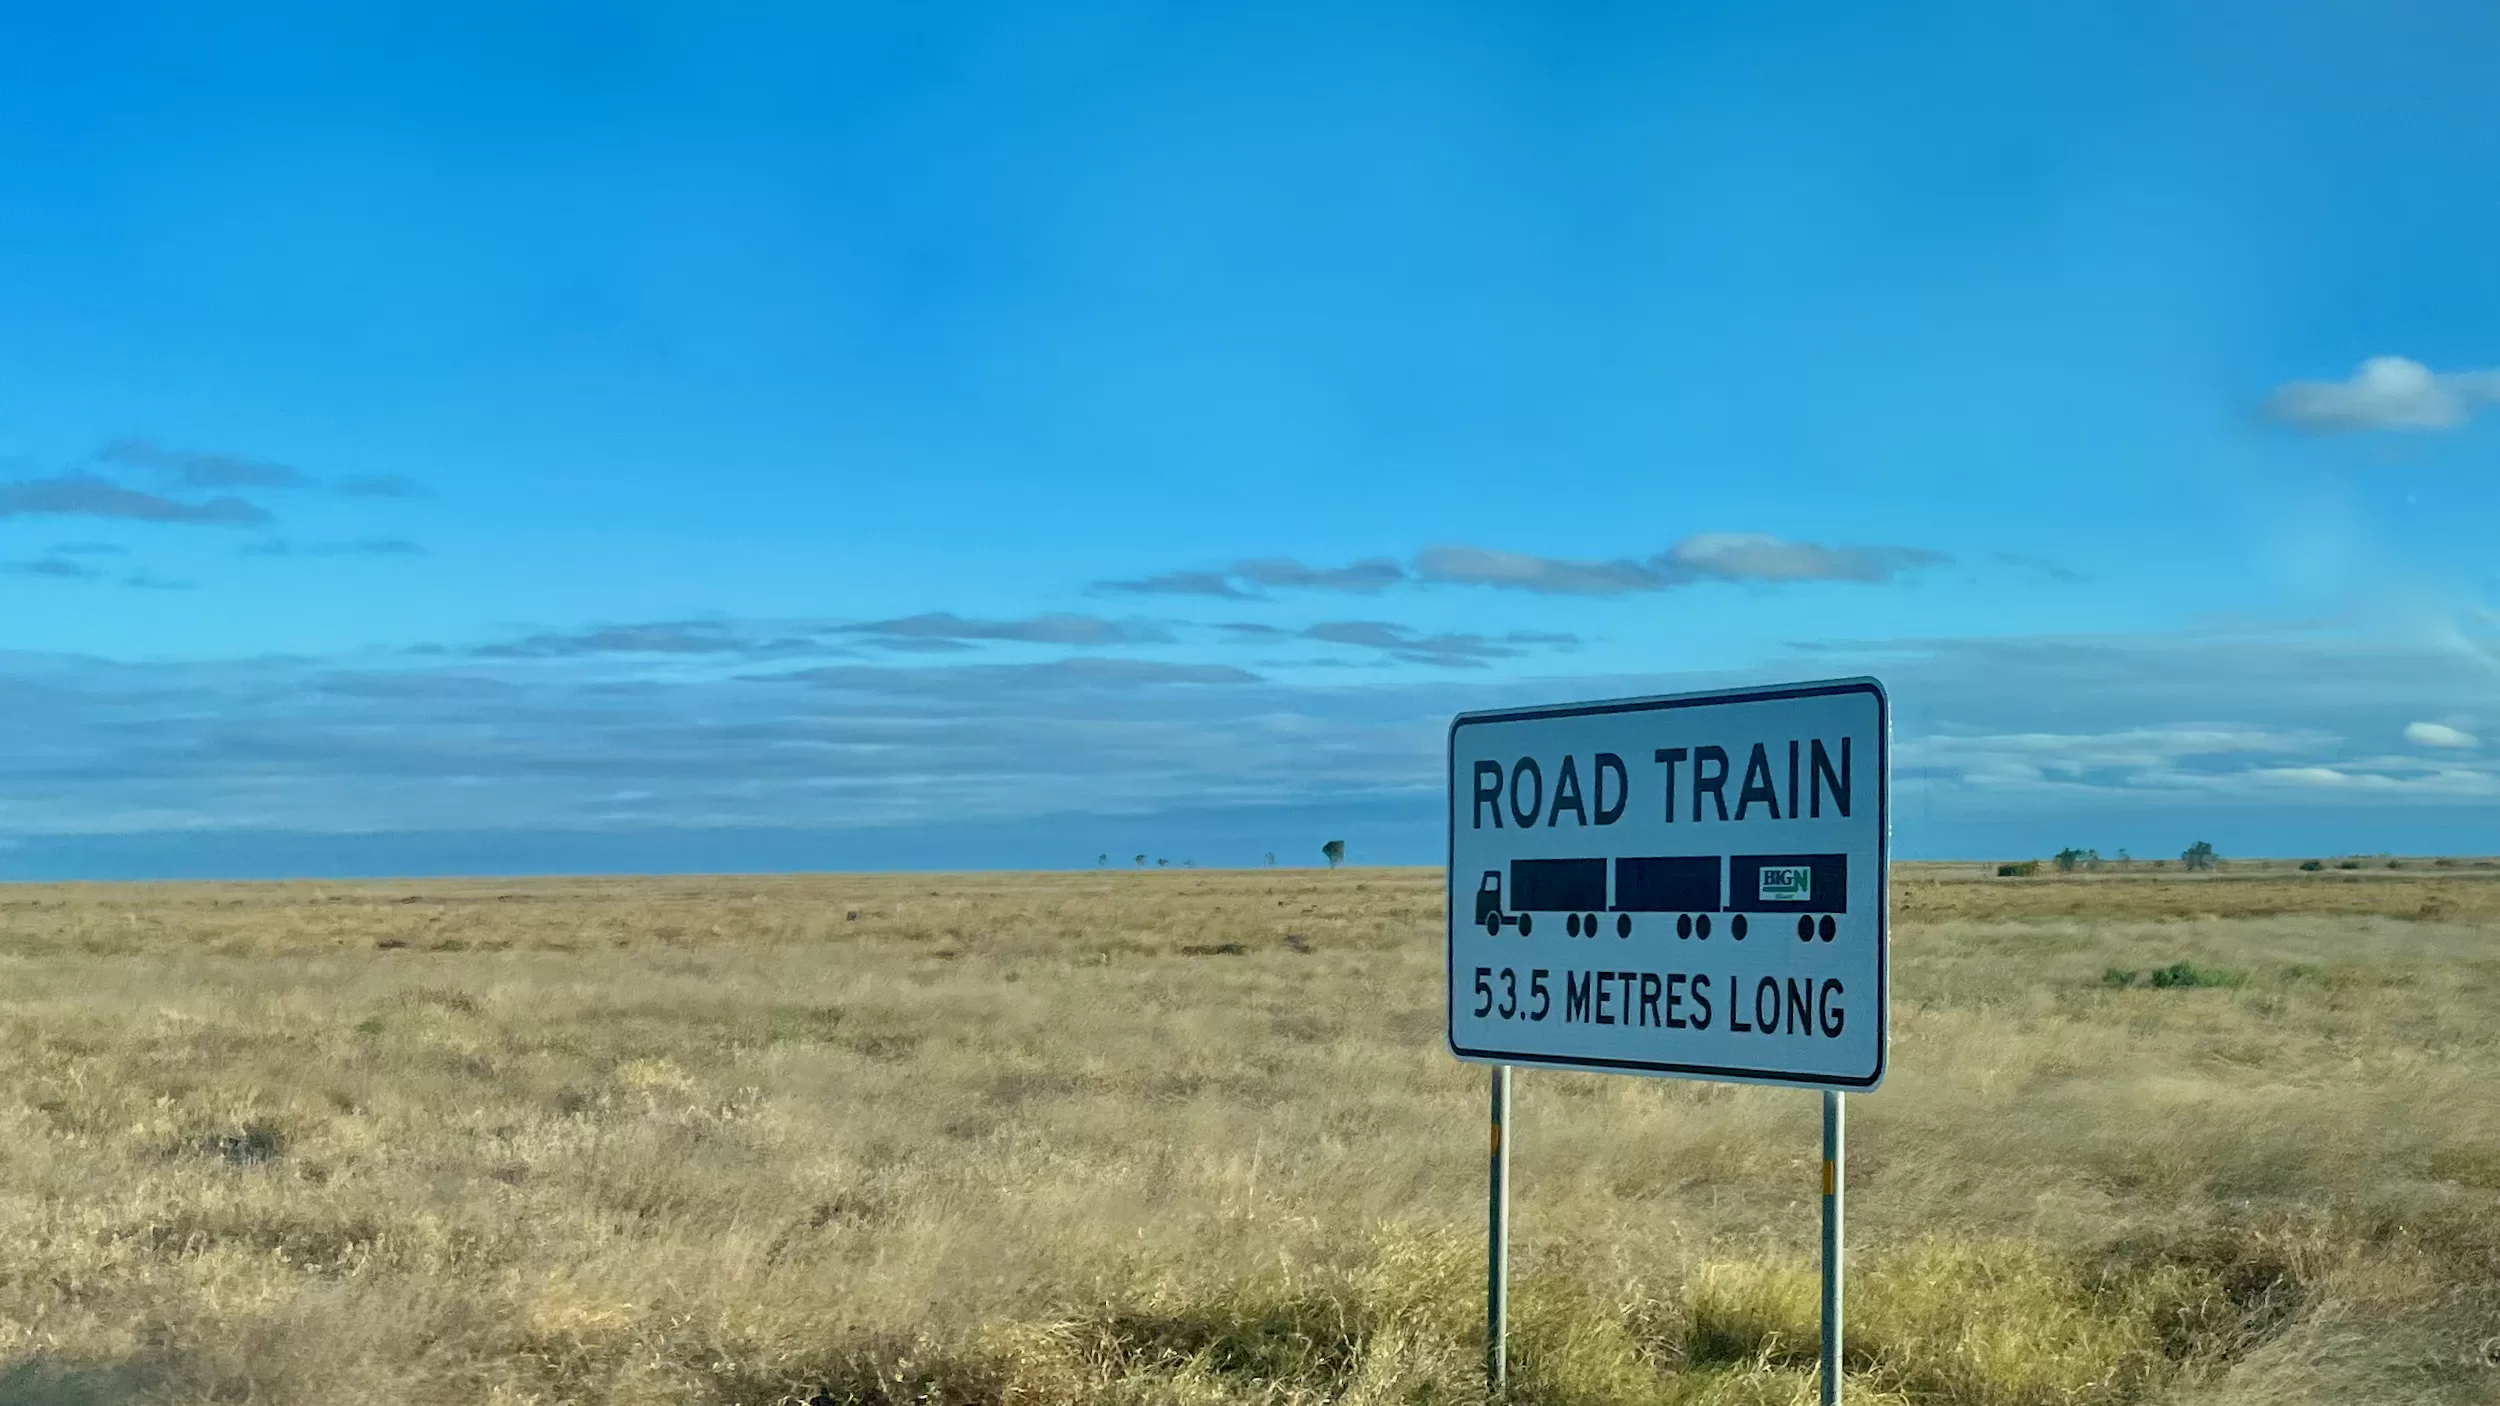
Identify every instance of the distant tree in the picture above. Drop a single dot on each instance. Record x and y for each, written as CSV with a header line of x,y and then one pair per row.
x,y
2092,859
1101,860
1161,863
2125,860
2200,856
1334,850
1271,859
2068,858
1141,861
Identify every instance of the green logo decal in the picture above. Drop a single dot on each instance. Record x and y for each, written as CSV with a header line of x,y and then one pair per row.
x,y
1793,884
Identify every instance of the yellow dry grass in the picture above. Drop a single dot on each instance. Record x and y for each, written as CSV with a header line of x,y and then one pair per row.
x,y
1193,1137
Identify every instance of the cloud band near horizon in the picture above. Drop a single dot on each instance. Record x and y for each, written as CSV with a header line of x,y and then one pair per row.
x,y
1731,557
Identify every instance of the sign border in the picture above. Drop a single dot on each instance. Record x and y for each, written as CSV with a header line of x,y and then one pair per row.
x,y
1817,688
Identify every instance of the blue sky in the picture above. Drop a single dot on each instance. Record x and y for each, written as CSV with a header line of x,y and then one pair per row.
x,y
836,437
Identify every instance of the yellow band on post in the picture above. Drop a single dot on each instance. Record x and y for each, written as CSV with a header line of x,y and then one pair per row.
x,y
1831,1177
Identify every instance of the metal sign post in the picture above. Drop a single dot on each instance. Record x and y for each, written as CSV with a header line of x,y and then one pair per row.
x,y
1497,1242
1834,1156
1694,886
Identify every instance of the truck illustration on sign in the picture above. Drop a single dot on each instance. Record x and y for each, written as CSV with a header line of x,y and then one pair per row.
x,y
1742,888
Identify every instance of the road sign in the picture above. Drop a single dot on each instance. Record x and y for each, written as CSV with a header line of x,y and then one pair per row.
x,y
1693,886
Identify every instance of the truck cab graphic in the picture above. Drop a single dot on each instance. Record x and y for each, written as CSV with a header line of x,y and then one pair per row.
x,y
1489,903
1691,888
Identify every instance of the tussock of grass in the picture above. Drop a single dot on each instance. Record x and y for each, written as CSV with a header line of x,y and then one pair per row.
x,y
2189,974
2185,974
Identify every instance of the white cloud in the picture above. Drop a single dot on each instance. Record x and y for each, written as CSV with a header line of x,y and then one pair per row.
x,y
2308,775
2361,777
2438,735
2213,763
2387,393
2144,757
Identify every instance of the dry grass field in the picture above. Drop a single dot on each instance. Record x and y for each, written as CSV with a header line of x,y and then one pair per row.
x,y
1193,1137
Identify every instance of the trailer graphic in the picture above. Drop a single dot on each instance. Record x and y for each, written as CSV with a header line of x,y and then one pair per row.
x,y
1814,887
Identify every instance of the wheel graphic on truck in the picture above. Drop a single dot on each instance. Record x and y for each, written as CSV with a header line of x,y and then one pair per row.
x,y
1574,888
1684,885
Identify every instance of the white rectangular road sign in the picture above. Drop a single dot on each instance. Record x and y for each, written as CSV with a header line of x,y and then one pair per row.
x,y
1692,886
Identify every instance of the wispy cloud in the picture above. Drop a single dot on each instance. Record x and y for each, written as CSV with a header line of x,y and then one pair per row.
x,y
88,549
932,633
1059,629
2188,763
1404,643
2128,757
1755,556
59,567
365,547
205,469
1369,574
1178,583
1484,566
2386,393
668,637
1710,556
925,644
192,468
383,486
150,581
88,495
1284,573
1464,651
2045,567
1076,672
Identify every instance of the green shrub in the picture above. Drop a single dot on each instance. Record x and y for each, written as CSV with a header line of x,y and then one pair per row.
x,y
2190,974
2310,866
2118,976
2024,870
